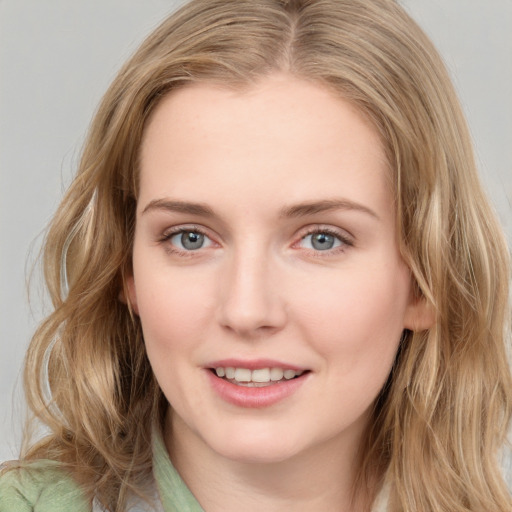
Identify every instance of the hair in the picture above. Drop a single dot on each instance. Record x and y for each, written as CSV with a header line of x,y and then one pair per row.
x,y
439,422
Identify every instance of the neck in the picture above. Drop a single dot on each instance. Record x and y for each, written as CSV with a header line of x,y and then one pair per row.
x,y
317,479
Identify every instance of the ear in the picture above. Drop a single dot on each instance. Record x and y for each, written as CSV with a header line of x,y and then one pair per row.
x,y
420,314
128,294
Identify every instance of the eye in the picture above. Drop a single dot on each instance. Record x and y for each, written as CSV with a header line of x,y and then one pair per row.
x,y
323,240
189,240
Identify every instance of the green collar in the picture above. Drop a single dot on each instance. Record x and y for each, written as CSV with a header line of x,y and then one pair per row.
x,y
174,493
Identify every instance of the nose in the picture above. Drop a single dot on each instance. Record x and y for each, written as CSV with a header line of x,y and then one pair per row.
x,y
251,298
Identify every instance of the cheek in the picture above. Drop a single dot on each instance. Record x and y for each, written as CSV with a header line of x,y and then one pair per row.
x,y
356,329
358,318
172,309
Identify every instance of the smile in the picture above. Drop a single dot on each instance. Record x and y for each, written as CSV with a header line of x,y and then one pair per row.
x,y
256,378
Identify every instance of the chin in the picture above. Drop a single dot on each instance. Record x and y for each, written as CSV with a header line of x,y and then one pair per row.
x,y
256,449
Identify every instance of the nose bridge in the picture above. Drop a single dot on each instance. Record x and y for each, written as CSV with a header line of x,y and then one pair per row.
x,y
250,300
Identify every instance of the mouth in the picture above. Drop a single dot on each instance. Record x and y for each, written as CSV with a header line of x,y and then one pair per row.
x,y
256,383
256,378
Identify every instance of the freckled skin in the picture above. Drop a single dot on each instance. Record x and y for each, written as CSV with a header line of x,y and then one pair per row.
x,y
258,288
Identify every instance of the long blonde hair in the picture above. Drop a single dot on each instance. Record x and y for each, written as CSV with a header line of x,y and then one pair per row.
x,y
442,417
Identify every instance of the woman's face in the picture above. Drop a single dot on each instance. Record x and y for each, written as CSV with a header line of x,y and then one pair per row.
x,y
265,249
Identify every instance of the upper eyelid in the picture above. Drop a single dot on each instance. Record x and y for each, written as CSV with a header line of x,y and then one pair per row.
x,y
323,228
173,230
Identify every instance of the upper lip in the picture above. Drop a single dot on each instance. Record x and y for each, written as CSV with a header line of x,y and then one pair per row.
x,y
253,364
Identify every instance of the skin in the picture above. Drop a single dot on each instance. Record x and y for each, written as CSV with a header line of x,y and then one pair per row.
x,y
259,288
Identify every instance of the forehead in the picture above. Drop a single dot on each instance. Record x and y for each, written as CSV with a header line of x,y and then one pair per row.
x,y
279,97
282,133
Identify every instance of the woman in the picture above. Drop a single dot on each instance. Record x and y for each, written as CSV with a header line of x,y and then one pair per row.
x,y
277,281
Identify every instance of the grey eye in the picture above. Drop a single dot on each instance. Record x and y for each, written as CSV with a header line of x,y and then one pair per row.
x,y
189,240
322,241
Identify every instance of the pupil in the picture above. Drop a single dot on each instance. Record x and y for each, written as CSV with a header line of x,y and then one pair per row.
x,y
322,241
192,240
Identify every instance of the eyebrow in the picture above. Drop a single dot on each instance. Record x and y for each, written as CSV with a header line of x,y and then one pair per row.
x,y
199,209
294,211
314,207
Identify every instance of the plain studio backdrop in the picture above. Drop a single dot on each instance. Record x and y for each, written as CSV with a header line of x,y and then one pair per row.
x,y
56,60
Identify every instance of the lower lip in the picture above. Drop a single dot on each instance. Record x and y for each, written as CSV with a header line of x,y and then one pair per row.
x,y
249,397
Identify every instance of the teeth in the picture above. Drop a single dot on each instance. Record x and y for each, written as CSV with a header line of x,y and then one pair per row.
x,y
276,374
259,376
262,375
243,375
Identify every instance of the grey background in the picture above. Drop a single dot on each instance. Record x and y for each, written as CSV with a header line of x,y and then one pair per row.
x,y
58,56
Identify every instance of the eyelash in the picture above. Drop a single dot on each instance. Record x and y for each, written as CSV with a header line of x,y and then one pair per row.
x,y
166,237
346,241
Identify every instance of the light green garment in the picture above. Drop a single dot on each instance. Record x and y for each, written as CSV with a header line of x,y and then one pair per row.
x,y
175,495
42,487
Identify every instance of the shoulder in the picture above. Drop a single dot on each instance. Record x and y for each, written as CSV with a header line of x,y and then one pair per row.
x,y
39,486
